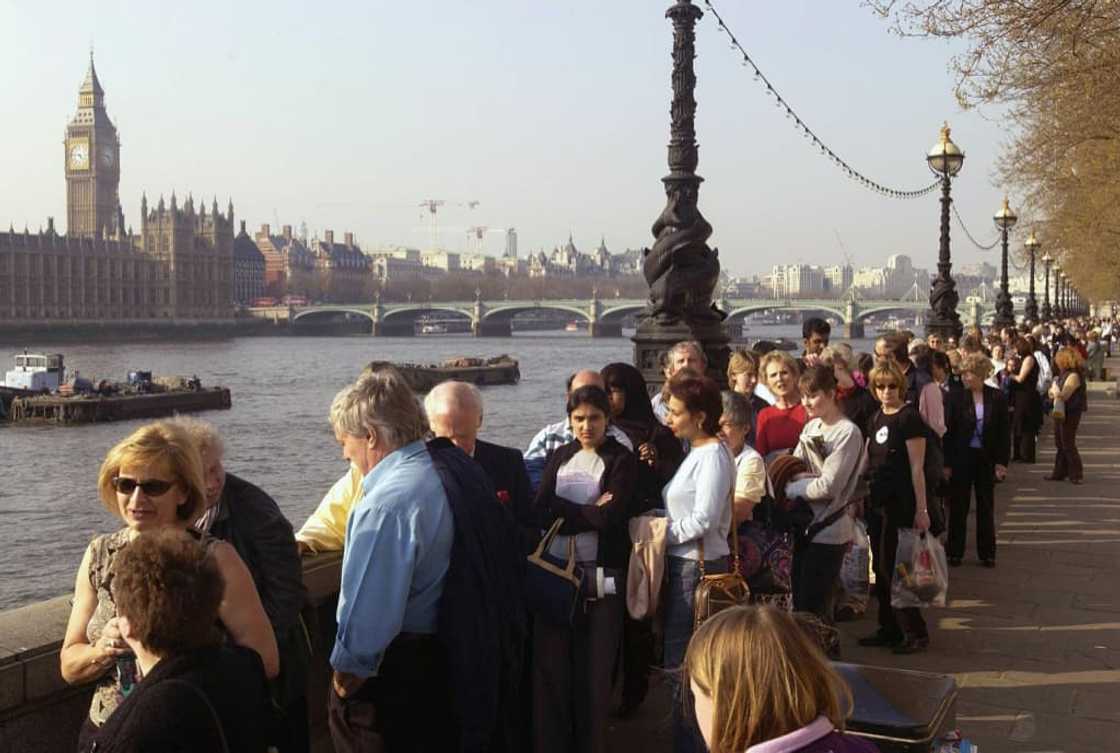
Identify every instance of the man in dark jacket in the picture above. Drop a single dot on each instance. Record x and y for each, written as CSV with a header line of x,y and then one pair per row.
x,y
455,411
249,519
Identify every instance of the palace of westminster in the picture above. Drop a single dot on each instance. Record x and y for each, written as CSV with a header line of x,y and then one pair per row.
x,y
179,266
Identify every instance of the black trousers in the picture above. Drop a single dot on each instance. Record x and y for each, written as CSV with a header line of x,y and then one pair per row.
x,y
816,568
406,708
972,473
572,668
907,622
637,658
1067,460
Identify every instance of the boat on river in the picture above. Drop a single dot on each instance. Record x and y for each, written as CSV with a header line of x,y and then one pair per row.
x,y
37,390
503,369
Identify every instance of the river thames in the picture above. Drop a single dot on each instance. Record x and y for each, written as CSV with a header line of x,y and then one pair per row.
x,y
276,434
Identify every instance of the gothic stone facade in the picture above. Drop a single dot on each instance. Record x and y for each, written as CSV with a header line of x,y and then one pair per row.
x,y
179,266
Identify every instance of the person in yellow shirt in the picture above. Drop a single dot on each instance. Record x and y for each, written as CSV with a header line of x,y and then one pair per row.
x,y
325,530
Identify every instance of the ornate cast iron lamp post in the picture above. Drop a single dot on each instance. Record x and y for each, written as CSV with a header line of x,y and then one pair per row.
x,y
1005,219
945,159
681,270
1058,290
1031,244
1047,260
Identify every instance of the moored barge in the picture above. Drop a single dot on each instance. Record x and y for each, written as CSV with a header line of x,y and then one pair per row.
x,y
501,369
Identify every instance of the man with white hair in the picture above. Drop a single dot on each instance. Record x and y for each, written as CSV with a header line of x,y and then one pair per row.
x,y
455,411
430,618
248,518
687,354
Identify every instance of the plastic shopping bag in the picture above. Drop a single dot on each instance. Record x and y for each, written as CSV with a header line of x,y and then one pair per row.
x,y
854,571
921,573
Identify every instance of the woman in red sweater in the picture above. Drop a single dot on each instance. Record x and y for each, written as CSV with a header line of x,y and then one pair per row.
x,y
779,426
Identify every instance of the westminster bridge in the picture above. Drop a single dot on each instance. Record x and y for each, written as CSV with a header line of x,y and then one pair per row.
x,y
603,317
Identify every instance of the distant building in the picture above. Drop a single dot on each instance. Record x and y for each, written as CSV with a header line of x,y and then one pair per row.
x,y
797,281
290,267
898,279
447,261
511,244
478,263
838,278
343,270
248,269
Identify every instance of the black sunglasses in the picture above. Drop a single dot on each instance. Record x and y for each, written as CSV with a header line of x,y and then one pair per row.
x,y
151,488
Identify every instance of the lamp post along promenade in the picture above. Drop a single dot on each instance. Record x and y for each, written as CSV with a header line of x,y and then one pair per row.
x,y
945,160
680,268
1031,245
1057,312
1005,219
1047,260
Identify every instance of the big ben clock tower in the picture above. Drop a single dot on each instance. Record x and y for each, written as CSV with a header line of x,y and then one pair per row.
x,y
93,172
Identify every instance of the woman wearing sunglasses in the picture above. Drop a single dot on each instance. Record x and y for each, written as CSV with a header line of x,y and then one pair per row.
x,y
896,453
152,480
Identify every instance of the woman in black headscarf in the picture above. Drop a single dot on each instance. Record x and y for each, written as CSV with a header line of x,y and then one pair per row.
x,y
659,455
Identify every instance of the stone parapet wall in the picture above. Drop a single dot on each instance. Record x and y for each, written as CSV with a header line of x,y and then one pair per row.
x,y
39,712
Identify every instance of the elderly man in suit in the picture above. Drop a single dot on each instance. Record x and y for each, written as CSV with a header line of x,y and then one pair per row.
x,y
455,411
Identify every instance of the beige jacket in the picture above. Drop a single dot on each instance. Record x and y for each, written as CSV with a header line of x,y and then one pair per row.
x,y
649,533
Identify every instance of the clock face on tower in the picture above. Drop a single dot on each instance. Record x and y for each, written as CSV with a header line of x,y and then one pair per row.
x,y
79,155
107,156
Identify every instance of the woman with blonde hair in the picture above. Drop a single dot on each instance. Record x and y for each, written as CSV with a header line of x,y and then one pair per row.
x,y
977,448
759,683
779,426
152,480
1069,385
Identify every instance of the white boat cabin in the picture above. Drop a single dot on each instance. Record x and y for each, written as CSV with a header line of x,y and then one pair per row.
x,y
37,371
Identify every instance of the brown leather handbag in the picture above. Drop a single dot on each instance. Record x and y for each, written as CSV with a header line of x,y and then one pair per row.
x,y
715,593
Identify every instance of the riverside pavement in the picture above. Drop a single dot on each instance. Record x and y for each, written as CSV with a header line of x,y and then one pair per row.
x,y
1034,644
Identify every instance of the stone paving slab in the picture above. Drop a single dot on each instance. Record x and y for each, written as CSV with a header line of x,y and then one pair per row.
x,y
1034,643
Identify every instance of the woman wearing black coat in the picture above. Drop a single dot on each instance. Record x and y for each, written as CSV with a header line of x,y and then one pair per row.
x,y
588,484
977,444
659,455
197,694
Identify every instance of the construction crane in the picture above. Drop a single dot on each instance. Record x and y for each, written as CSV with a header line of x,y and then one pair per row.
x,y
476,237
847,256
433,205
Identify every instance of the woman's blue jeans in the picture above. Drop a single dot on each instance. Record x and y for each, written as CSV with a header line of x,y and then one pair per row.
x,y
681,577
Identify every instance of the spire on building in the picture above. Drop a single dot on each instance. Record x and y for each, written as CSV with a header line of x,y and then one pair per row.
x,y
91,85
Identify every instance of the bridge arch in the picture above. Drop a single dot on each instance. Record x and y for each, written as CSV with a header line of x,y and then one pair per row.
x,y
415,311
892,309
756,308
317,312
618,313
508,311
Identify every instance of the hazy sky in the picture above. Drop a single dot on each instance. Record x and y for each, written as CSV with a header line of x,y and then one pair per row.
x,y
553,115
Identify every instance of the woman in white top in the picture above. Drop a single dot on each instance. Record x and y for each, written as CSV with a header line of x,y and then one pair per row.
x,y
698,502
832,447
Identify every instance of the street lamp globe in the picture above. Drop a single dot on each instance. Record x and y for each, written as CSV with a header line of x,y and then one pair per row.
x,y
945,158
1006,218
1032,245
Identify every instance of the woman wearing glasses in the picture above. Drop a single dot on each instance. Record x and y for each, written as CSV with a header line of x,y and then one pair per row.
x,y
152,480
896,458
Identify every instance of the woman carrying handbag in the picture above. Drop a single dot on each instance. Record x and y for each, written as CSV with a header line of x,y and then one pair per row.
x,y
587,484
698,502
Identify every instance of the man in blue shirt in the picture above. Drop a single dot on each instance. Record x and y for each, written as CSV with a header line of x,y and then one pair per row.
x,y
390,685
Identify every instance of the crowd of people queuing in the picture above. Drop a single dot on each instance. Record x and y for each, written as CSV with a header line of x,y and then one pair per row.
x,y
188,618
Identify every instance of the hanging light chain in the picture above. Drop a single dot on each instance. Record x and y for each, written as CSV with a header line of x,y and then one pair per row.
x,y
976,243
807,132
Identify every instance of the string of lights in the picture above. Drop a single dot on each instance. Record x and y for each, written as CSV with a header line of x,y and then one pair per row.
x,y
976,243
807,132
